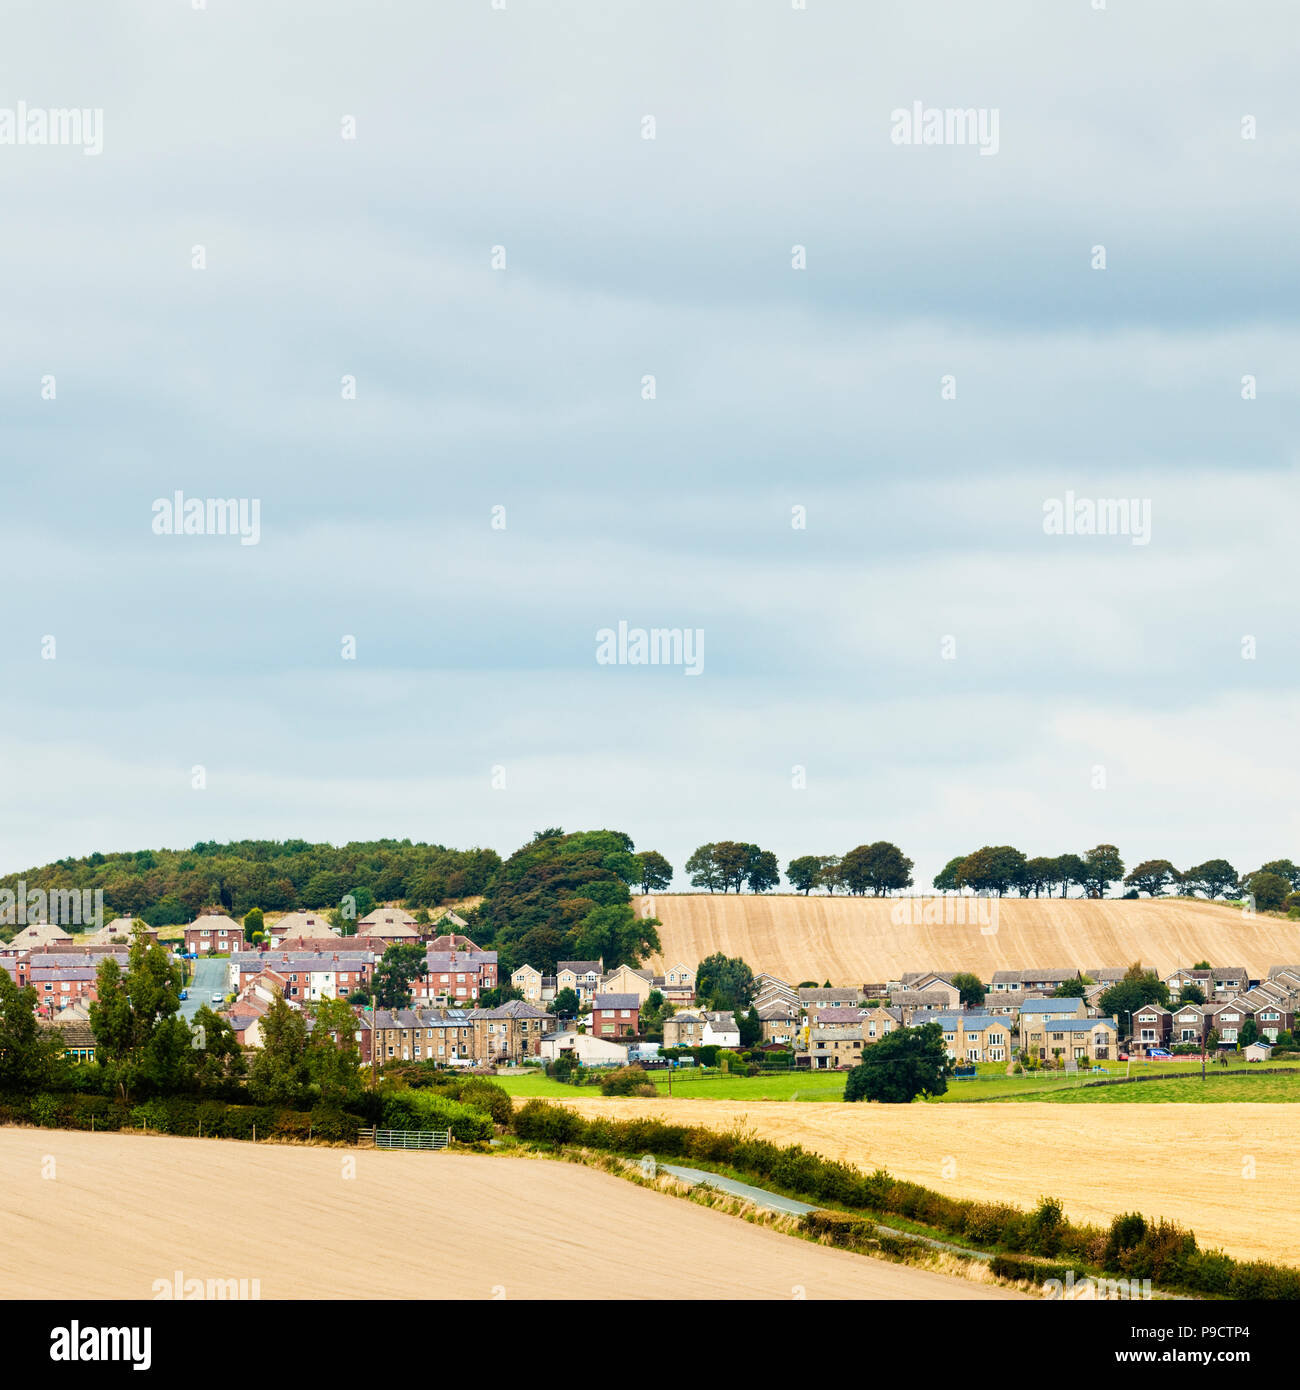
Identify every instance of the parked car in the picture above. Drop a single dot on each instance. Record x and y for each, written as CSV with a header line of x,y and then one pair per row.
x,y
185,994
221,999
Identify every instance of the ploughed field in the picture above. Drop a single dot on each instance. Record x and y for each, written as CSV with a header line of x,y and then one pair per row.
x,y
109,1215
1230,1172
857,940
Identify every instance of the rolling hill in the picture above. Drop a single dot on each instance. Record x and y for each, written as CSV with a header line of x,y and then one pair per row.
x,y
857,940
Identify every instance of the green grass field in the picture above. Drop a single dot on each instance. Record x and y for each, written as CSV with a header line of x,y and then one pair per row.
x,y
1179,1081
1182,1090
809,1086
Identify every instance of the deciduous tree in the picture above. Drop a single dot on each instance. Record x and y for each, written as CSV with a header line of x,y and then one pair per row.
x,y
31,1056
970,986
725,982
904,1064
804,873
878,869
656,871
1102,866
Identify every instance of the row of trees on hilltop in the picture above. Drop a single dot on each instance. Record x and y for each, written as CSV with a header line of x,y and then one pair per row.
x,y
1273,885
876,869
1002,869
730,865
881,868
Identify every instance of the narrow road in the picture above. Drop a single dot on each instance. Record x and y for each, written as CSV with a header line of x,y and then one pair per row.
x,y
209,978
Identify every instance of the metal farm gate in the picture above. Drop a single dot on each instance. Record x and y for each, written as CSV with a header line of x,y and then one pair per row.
x,y
406,1138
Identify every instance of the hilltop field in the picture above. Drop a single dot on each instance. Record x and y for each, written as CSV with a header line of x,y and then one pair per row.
x,y
855,940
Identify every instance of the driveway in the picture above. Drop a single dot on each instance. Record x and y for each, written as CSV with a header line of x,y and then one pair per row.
x,y
210,977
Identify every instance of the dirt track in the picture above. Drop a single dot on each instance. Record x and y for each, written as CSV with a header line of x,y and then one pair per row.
x,y
123,1211
1188,1163
856,940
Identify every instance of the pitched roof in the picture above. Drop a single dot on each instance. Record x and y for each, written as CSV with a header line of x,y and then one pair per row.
x,y
579,967
301,924
38,934
835,1017
453,942
75,1034
912,976
1047,1006
389,914
215,921
973,1023
770,1012
616,1001
519,1008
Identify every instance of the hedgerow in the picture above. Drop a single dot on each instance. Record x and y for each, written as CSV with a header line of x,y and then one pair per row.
x,y
1161,1251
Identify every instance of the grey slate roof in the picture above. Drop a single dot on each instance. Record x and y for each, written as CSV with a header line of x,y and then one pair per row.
x,y
616,1001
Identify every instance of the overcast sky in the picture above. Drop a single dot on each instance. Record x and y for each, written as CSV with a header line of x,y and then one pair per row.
x,y
522,388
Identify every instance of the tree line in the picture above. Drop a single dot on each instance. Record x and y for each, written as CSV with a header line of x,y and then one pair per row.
x,y
167,886
881,868
1001,869
729,865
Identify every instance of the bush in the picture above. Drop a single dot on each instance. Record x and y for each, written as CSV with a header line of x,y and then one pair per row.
x,y
485,1095
1013,1267
424,1110
153,1114
1126,1233
628,1081
1045,1226
562,1069
986,1221
840,1227
548,1124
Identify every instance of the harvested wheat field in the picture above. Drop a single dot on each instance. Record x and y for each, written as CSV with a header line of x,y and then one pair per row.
x,y
117,1212
1187,1163
852,941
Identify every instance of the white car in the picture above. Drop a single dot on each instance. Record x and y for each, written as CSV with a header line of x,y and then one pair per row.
x,y
218,998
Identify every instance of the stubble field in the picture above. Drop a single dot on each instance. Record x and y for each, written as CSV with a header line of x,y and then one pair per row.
x,y
852,941
1229,1172
105,1215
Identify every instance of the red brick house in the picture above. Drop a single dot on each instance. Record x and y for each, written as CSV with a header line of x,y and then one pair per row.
x,y
456,978
1151,1027
616,1016
221,935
